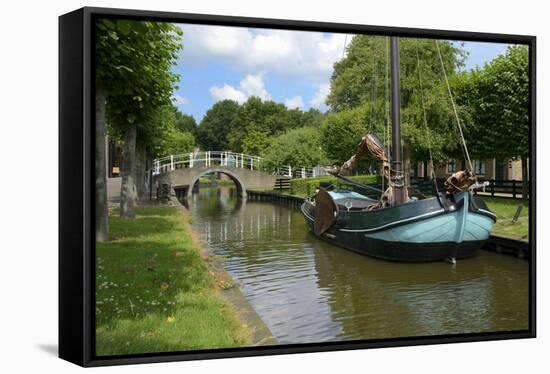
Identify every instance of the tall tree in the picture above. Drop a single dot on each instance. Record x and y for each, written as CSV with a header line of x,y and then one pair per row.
x,y
312,118
361,80
255,142
297,148
185,122
341,132
266,117
213,131
140,56
497,95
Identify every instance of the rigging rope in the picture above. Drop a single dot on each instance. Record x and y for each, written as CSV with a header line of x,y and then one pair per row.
x,y
387,104
465,148
425,117
375,73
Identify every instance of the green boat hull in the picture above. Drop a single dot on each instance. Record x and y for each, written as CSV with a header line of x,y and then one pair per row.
x,y
423,230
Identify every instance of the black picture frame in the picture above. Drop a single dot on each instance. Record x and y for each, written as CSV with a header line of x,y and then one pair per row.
x,y
76,185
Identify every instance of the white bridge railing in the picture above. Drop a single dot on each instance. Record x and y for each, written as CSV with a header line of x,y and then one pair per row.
x,y
227,158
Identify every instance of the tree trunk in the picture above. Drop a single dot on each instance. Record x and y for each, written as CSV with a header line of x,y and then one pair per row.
x,y
524,179
101,208
140,170
128,195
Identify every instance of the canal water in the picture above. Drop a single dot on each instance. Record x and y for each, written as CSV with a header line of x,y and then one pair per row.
x,y
307,290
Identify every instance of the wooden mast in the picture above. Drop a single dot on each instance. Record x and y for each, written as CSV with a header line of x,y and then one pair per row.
x,y
397,179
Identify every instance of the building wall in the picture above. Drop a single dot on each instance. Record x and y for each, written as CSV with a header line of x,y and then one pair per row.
x,y
508,169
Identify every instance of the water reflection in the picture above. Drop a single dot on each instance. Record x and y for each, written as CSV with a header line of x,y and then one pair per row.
x,y
309,291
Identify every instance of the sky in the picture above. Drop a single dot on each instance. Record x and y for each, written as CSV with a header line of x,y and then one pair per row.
x,y
289,67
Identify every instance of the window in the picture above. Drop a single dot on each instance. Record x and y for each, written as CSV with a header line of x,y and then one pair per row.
x,y
479,167
451,166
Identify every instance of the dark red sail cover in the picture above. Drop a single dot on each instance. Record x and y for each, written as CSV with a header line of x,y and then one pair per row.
x,y
325,212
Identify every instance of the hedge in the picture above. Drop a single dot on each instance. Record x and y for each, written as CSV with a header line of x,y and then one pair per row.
x,y
307,186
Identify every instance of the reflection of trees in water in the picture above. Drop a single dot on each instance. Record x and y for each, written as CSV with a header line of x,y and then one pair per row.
x,y
308,290
379,299
214,201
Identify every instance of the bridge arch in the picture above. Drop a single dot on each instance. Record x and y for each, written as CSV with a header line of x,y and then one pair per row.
x,y
241,189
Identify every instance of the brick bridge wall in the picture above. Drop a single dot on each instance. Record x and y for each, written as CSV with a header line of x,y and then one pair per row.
x,y
243,178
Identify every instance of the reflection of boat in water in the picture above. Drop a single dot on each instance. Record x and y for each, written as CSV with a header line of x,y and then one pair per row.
x,y
373,299
450,225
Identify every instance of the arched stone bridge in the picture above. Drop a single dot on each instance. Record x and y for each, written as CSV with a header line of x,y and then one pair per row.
x,y
183,171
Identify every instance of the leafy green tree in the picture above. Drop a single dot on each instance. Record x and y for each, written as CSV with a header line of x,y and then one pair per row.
x,y
213,131
266,117
361,80
297,148
255,142
341,132
312,118
497,96
133,73
171,139
185,122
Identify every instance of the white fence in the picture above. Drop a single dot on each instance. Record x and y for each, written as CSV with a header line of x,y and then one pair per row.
x,y
227,158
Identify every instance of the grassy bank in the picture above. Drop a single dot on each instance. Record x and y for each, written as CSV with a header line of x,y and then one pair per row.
x,y
505,210
155,291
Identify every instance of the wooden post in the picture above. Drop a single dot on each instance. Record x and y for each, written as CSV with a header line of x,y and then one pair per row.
x,y
514,188
493,181
171,162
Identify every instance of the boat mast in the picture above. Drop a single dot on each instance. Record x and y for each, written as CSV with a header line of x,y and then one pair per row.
x,y
396,174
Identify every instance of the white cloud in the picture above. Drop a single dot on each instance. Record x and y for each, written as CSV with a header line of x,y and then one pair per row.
x,y
308,55
318,100
251,85
180,100
227,92
294,103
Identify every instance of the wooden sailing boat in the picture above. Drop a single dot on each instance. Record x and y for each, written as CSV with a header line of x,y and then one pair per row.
x,y
451,225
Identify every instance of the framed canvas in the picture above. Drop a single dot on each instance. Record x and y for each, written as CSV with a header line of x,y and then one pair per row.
x,y
235,186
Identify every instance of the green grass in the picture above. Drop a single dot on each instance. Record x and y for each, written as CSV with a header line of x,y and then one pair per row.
x,y
505,210
155,291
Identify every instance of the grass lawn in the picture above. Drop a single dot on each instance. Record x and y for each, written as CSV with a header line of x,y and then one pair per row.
x,y
505,210
155,291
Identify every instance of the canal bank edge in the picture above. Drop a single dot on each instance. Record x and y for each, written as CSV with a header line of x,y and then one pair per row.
x,y
259,332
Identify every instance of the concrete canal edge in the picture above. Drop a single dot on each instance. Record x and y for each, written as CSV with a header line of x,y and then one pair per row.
x,y
498,244
260,333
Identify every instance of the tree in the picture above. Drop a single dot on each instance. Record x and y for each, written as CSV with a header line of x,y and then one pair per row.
x,y
266,117
255,142
341,132
134,60
497,125
312,118
185,122
361,80
298,148
213,131
167,137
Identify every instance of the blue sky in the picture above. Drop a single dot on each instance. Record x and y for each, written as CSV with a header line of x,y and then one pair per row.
x,y
289,67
